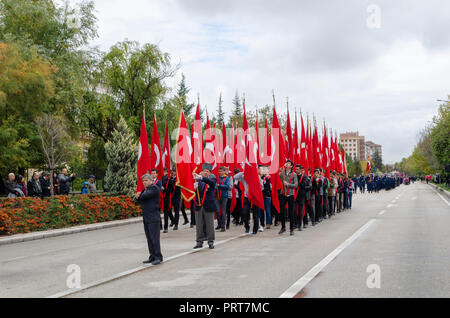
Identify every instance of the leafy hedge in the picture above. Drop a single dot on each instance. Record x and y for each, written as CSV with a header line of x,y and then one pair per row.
x,y
25,215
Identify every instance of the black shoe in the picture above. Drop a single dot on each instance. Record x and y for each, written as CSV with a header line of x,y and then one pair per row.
x,y
156,262
211,246
228,226
305,226
198,246
165,231
299,228
171,224
175,227
222,230
192,225
291,233
282,231
277,223
217,228
185,222
313,223
147,261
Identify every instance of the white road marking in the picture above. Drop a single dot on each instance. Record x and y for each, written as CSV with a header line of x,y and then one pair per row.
x,y
305,279
135,270
382,212
443,199
390,206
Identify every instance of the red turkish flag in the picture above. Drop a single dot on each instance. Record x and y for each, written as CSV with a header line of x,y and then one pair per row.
x,y
303,149
197,141
267,149
278,159
166,151
325,153
316,149
155,156
251,167
296,148
340,162
289,144
143,164
332,155
310,150
184,150
344,162
211,148
258,155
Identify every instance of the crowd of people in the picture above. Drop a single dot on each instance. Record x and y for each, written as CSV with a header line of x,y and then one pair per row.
x,y
305,200
40,185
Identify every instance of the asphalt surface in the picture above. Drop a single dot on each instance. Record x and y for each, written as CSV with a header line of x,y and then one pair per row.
x,y
403,233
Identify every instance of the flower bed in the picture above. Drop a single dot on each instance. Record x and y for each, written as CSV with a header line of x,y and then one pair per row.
x,y
25,215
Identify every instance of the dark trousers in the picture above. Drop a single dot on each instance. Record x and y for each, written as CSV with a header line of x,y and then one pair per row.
x,y
237,210
299,209
246,215
324,206
290,211
345,200
176,210
331,201
312,209
153,240
205,226
228,212
183,211
167,214
318,202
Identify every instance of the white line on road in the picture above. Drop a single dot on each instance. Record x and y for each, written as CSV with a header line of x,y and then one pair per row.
x,y
135,270
443,199
382,212
390,205
305,279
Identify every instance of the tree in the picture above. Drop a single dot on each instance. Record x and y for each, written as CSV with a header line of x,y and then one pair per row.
x,y
181,97
26,89
54,139
439,138
220,113
377,161
60,33
237,112
134,76
121,153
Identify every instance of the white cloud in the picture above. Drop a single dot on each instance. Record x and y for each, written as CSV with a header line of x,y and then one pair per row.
x,y
382,82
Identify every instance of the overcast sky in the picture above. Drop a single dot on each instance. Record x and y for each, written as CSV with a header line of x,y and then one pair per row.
x,y
335,59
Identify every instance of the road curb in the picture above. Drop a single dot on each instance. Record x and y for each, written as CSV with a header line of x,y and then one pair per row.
x,y
443,191
17,238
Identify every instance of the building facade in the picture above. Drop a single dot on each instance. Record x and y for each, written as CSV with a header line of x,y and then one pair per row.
x,y
371,148
353,145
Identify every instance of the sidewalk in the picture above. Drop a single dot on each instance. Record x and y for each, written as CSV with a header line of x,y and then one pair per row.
x,y
442,191
65,231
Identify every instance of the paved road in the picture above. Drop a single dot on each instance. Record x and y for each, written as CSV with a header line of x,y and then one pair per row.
x,y
402,233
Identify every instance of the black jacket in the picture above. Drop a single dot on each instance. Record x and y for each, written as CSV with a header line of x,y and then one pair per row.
x,y
209,204
45,184
316,185
64,183
267,191
34,188
149,200
303,186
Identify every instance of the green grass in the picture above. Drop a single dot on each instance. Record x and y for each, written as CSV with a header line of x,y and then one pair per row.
x,y
443,186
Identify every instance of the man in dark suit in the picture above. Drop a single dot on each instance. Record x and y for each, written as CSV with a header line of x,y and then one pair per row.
x,y
300,195
149,200
205,206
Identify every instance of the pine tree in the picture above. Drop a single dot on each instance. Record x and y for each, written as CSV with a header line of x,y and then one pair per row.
x,y
237,113
377,161
181,97
121,153
220,113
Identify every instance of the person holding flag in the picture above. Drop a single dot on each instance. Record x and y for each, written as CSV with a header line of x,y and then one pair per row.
x,y
290,183
205,206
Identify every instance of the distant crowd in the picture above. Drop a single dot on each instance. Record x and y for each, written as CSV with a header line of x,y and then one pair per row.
x,y
40,185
